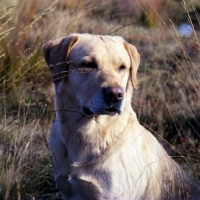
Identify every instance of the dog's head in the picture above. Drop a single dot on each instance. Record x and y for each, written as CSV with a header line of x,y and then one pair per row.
x,y
92,72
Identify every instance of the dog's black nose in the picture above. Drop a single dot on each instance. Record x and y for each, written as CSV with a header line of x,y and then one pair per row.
x,y
113,94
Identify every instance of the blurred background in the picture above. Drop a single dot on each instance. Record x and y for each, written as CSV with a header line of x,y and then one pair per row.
x,y
167,102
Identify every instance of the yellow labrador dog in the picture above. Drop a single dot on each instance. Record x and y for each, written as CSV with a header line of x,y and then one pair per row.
x,y
99,149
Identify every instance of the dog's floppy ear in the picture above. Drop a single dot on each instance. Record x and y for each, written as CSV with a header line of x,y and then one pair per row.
x,y
135,61
56,54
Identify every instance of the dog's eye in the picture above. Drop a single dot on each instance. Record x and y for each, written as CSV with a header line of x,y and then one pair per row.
x,y
89,64
122,68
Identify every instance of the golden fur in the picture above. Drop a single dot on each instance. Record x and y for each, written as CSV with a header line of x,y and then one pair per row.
x,y
99,149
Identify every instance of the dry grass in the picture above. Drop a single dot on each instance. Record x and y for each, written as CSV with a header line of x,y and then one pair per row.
x,y
167,101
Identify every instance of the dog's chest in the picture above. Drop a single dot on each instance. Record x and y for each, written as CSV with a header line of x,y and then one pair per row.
x,y
115,175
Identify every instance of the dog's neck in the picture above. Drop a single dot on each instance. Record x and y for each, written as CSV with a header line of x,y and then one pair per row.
x,y
89,137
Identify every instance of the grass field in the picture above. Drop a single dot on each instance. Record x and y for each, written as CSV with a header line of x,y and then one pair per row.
x,y
167,101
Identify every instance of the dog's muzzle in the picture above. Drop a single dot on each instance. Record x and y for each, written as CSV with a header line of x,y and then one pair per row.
x,y
113,97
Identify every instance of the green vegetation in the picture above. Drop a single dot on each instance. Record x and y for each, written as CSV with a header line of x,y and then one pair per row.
x,y
167,101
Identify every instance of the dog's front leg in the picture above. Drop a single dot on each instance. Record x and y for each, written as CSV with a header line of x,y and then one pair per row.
x,y
77,189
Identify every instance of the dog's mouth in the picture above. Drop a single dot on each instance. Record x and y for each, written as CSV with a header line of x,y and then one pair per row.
x,y
87,111
107,111
111,110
